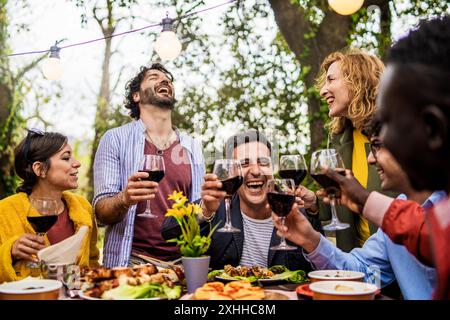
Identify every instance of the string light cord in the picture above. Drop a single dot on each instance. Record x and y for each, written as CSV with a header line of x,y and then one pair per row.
x,y
121,33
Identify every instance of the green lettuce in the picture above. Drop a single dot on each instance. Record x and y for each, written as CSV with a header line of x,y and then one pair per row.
x,y
143,291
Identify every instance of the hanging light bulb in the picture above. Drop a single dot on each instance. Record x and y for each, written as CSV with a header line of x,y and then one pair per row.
x,y
345,7
51,67
167,46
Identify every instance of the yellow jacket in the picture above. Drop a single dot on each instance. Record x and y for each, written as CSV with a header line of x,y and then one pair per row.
x,y
14,223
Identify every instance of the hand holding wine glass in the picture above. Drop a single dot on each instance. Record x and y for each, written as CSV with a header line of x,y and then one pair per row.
x,y
42,215
229,172
321,160
353,194
281,198
154,166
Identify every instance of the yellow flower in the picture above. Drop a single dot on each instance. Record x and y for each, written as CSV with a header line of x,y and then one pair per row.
x,y
174,213
191,242
179,199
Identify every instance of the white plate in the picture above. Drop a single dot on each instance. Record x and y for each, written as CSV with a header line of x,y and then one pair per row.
x,y
336,275
358,288
85,297
30,286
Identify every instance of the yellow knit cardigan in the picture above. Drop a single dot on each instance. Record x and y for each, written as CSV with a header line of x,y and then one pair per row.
x,y
14,223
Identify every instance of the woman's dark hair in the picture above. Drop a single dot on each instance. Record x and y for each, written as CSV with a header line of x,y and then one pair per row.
x,y
134,85
245,137
37,146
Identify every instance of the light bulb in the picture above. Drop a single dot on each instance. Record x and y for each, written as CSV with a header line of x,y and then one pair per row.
x,y
167,46
51,67
345,7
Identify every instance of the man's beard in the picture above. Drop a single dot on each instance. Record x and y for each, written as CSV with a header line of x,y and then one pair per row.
x,y
148,96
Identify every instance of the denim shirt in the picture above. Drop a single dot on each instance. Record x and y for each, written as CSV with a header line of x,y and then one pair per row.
x,y
416,281
118,156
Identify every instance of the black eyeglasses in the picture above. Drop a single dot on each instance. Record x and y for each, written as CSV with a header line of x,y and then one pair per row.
x,y
375,146
31,133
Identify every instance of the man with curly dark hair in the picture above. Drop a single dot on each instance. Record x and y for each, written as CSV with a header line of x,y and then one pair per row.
x,y
121,191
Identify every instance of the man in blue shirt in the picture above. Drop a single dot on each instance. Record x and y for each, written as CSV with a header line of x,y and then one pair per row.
x,y
416,281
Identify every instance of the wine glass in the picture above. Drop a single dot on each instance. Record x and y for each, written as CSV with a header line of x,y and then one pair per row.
x,y
42,215
229,172
154,166
294,167
281,198
329,158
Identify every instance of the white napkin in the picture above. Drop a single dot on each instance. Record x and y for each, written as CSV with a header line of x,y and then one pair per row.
x,y
64,252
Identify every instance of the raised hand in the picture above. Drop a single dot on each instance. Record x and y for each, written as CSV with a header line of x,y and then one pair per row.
x,y
211,195
308,198
138,189
353,194
297,229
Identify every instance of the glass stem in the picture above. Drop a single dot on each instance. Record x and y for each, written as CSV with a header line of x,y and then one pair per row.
x,y
227,211
148,210
282,240
333,208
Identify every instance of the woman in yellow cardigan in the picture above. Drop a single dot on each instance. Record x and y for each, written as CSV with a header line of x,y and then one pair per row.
x,y
48,168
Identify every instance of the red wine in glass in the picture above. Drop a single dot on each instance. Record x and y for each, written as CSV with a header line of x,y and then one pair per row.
x,y
330,186
154,166
229,172
298,175
153,175
42,215
41,224
231,185
293,166
281,204
329,158
281,198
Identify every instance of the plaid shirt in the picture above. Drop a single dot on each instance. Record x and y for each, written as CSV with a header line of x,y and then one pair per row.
x,y
118,156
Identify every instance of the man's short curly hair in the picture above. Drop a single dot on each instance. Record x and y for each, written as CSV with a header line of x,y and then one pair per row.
x,y
134,85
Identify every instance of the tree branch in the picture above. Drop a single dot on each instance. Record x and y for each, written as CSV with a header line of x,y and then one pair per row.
x,y
27,68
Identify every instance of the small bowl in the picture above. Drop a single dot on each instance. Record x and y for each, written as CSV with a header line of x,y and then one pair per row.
x,y
30,289
343,290
335,275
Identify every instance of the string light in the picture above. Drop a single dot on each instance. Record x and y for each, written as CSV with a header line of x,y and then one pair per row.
x,y
345,7
51,67
167,46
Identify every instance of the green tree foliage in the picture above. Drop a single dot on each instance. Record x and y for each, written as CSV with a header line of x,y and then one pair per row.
x,y
15,86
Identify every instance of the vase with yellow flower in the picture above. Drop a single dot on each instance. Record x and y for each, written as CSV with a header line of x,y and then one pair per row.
x,y
193,245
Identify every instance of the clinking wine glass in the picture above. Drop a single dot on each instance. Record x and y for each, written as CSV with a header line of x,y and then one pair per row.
x,y
154,166
329,158
281,198
293,166
229,172
42,215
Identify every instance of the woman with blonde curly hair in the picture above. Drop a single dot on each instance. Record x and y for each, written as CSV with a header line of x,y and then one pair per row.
x,y
349,82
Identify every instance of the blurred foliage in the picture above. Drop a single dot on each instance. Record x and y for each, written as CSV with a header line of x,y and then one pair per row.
x,y
17,89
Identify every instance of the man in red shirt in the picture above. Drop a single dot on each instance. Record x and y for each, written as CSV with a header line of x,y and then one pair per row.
x,y
414,106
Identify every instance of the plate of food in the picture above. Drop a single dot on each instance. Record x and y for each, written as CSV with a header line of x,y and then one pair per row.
x,y
236,290
259,274
140,282
335,275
